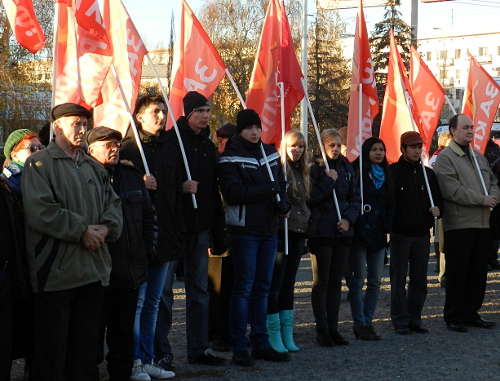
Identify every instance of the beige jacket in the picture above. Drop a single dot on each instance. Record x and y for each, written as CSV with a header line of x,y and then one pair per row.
x,y
462,190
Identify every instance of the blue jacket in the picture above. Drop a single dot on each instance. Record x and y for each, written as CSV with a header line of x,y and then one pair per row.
x,y
322,201
247,189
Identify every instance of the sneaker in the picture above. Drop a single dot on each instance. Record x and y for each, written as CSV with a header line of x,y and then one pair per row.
x,y
166,363
208,358
270,354
242,358
139,374
157,372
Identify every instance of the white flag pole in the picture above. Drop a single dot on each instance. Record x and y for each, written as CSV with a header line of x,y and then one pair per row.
x,y
360,142
54,60
236,89
283,153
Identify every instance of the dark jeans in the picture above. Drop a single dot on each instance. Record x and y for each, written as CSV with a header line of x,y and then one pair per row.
x,y
253,260
281,294
118,315
328,265
413,253
5,324
466,252
67,333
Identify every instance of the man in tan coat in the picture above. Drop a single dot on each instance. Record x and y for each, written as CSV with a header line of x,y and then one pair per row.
x,y
465,225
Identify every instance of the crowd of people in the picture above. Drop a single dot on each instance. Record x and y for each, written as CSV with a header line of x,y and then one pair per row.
x,y
96,224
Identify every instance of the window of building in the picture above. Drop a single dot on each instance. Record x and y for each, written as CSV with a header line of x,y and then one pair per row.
x,y
458,74
429,55
483,50
498,50
457,53
443,54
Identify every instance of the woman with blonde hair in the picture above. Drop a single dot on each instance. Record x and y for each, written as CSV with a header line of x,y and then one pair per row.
x,y
330,237
280,314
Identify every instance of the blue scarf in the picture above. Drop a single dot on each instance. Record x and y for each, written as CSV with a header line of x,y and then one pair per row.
x,y
378,176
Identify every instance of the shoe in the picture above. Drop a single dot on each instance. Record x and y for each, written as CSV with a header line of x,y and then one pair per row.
x,y
337,338
481,323
456,327
286,321
270,354
139,374
369,328
403,331
166,363
208,358
273,331
418,329
242,358
324,339
220,346
361,333
158,373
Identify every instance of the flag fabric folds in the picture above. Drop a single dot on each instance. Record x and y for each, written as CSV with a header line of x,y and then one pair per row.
x,y
128,54
197,65
276,62
83,53
362,74
24,24
481,99
398,101
428,94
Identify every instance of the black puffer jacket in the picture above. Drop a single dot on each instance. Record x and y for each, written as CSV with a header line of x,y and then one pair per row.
x,y
412,217
247,189
162,159
202,160
139,236
322,202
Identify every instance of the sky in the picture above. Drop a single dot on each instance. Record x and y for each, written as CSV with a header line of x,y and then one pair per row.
x,y
152,17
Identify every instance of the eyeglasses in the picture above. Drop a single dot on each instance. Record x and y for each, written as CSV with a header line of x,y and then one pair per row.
x,y
33,147
108,145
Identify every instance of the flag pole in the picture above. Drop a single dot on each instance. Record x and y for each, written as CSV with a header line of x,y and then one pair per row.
x,y
132,121
360,139
322,149
54,60
176,128
230,77
448,102
283,153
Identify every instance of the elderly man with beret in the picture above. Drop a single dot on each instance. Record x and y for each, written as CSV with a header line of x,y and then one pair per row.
x,y
71,213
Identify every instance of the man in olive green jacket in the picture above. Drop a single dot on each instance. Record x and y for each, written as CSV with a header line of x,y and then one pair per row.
x,y
465,224
71,212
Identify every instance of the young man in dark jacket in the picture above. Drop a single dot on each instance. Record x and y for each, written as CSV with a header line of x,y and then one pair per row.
x,y
410,238
129,254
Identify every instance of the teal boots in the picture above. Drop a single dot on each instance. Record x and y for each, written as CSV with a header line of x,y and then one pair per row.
x,y
286,318
273,330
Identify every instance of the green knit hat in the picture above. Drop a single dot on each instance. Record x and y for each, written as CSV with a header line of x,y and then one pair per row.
x,y
13,140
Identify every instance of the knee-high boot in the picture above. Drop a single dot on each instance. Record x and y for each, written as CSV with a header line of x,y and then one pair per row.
x,y
273,330
286,319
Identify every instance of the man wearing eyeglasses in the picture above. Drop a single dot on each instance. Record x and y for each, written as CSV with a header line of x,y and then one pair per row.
x,y
71,213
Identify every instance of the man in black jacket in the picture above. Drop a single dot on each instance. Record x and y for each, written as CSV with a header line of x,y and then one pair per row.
x,y
410,238
129,254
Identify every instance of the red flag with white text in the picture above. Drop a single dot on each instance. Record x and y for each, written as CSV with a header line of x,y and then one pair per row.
x,y
481,99
398,101
428,94
83,53
128,53
24,24
197,65
275,62
362,73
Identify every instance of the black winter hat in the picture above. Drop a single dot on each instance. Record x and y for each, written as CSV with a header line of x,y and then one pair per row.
x,y
102,133
226,131
192,101
247,118
69,109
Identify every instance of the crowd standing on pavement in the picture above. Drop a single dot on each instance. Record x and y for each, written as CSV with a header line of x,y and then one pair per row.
x,y
95,224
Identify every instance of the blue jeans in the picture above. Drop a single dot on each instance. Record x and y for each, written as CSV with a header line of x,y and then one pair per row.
x,y
365,264
253,261
147,312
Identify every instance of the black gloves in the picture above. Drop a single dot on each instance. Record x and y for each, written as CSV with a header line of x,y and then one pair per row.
x,y
283,206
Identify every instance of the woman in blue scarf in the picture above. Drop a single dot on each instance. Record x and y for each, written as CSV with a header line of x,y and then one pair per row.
x,y
367,252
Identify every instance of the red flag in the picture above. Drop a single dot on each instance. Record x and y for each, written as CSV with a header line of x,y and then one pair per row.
x,y
396,118
275,62
83,53
362,73
197,66
428,94
481,99
128,53
24,24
